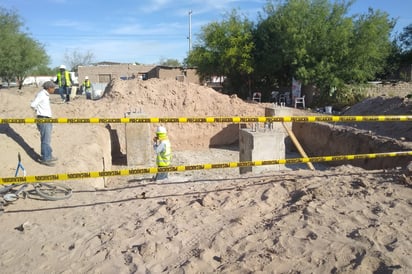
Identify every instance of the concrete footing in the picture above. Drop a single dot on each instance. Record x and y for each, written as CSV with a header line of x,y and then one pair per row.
x,y
264,142
138,142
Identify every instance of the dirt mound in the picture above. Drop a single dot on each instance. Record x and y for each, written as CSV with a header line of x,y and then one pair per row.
x,y
383,105
171,98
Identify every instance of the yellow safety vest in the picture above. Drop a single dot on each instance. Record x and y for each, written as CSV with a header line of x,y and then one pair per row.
x,y
164,157
66,76
87,84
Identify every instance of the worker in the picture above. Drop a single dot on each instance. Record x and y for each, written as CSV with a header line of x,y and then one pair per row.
x,y
87,87
163,152
41,104
64,80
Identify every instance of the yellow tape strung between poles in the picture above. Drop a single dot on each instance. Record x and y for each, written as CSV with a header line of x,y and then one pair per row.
x,y
126,172
272,119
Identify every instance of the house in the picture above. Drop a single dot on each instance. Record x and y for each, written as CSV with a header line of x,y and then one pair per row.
x,y
105,72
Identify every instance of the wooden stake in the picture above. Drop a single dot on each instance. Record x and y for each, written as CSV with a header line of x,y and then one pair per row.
x,y
298,146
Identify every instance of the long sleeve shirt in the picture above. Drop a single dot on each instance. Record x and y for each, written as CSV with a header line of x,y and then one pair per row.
x,y
159,147
41,104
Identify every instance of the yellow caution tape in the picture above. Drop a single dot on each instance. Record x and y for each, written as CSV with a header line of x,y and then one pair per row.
x,y
271,119
127,172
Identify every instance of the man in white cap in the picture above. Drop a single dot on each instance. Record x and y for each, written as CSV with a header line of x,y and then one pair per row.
x,y
41,104
64,80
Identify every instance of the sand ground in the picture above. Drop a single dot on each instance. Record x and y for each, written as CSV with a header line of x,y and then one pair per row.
x,y
335,220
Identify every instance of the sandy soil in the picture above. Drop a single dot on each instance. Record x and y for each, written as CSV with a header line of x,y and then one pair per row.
x,y
336,220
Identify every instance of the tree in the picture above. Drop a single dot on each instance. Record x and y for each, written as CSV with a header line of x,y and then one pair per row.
x,y
317,43
169,62
370,46
9,27
18,52
406,38
75,58
30,55
225,49
406,45
42,70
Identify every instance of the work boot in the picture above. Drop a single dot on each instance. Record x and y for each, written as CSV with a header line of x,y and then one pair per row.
x,y
46,163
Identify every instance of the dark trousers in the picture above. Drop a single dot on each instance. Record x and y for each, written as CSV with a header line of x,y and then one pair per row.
x,y
65,93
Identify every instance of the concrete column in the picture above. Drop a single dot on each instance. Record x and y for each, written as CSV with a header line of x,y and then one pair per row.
x,y
277,126
262,144
265,142
138,142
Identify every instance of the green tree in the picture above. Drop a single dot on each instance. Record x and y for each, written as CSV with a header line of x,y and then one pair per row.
x,y
393,63
18,52
30,55
169,62
370,46
405,39
43,70
9,27
225,49
316,42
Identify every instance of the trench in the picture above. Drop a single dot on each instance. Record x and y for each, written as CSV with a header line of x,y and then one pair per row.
x,y
325,139
317,139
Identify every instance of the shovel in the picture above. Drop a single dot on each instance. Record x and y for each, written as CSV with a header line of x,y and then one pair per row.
x,y
11,197
20,166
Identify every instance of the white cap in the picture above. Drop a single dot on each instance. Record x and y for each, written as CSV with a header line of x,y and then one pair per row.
x,y
62,67
161,129
86,77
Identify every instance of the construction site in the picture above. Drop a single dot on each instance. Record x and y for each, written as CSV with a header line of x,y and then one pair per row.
x,y
334,216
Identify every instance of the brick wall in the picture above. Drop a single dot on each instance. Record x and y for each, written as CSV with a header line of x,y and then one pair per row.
x,y
96,73
390,89
104,73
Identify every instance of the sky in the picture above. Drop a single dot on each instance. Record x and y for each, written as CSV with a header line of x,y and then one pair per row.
x,y
148,31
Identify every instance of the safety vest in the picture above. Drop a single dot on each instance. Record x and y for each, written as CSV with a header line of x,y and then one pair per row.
x,y
87,84
66,76
164,157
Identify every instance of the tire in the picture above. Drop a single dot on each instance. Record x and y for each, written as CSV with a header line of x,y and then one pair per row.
x,y
53,192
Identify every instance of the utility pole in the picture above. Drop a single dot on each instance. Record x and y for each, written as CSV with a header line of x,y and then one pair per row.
x,y
190,31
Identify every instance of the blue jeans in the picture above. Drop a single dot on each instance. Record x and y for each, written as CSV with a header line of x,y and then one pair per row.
x,y
45,130
64,93
161,176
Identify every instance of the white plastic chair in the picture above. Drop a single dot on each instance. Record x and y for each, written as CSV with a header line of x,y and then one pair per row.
x,y
257,96
300,100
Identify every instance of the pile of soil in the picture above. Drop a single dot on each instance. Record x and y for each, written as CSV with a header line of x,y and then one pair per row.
x,y
384,105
